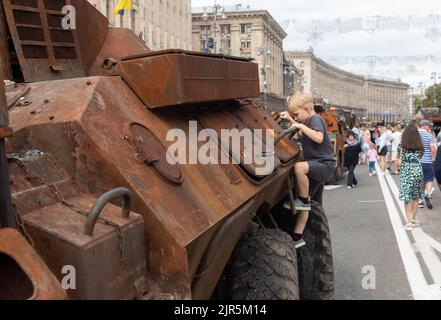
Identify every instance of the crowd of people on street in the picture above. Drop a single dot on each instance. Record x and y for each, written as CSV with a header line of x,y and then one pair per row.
x,y
410,151
413,152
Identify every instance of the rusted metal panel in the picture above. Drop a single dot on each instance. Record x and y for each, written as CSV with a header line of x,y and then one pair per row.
x,y
176,78
45,49
92,142
5,59
108,262
246,156
23,274
119,43
214,260
251,114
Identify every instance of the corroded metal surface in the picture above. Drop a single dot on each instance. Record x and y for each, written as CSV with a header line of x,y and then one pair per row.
x,y
23,274
45,49
173,78
75,139
81,140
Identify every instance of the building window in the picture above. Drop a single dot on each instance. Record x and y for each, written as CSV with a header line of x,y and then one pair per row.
x,y
245,44
225,30
203,45
205,30
245,28
226,45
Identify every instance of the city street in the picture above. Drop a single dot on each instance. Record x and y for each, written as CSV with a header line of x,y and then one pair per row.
x,y
367,233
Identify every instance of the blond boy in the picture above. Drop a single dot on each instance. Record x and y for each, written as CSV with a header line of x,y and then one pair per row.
x,y
318,154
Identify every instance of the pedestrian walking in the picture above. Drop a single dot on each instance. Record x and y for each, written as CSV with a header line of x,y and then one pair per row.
x,y
437,167
427,161
411,174
389,145
366,142
382,148
372,157
352,150
395,140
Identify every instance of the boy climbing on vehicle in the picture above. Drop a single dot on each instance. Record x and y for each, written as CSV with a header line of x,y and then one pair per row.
x,y
318,163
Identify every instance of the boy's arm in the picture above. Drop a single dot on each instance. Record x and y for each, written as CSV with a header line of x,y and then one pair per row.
x,y
314,135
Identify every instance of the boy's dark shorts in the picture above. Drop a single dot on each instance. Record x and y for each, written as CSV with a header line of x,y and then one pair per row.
x,y
428,172
319,172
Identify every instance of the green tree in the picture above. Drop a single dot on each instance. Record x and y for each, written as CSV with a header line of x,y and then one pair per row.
x,y
417,103
429,102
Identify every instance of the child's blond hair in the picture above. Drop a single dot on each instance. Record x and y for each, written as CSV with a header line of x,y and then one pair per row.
x,y
300,100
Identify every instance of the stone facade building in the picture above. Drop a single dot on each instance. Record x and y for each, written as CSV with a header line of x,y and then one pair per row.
x,y
371,98
162,24
244,32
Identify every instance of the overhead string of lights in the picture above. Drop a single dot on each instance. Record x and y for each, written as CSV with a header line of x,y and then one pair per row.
x,y
316,28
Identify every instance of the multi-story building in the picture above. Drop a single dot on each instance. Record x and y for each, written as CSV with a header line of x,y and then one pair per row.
x,y
162,24
241,31
372,98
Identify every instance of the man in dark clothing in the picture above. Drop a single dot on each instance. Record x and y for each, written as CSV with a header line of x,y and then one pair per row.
x,y
352,152
437,167
318,165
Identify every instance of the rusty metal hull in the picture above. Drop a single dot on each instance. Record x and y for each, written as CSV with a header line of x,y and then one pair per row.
x,y
24,275
91,148
172,77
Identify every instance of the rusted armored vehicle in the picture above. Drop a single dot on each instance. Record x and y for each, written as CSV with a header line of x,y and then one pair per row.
x,y
337,133
98,210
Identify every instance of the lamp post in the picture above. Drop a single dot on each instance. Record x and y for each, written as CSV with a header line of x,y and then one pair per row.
x,y
218,12
264,51
434,76
289,71
421,86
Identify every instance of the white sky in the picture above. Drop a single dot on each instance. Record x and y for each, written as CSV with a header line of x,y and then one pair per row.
x,y
358,43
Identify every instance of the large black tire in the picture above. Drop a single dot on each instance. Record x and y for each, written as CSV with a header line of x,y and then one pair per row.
x,y
316,271
264,267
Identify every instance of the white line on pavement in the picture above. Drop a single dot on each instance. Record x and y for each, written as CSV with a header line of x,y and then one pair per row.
x,y
414,273
332,187
371,201
425,248
435,244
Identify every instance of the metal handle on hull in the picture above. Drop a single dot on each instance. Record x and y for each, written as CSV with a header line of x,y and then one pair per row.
x,y
101,203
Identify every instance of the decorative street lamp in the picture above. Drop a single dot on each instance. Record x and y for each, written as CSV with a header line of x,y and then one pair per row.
x,y
290,71
217,13
264,51
421,86
434,77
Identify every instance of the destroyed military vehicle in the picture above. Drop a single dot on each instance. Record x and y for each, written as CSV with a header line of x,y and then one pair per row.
x,y
93,208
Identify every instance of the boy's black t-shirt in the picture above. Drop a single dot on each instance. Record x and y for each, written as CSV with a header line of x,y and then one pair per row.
x,y
323,152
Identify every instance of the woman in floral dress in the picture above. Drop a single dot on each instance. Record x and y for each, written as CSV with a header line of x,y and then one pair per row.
x,y
411,174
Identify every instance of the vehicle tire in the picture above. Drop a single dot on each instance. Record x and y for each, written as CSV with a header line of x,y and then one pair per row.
x,y
264,267
316,270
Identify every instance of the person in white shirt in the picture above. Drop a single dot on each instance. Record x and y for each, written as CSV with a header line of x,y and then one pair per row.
x,y
389,145
382,148
395,141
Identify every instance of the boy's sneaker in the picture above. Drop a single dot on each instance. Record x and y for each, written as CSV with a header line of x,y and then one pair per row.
x,y
421,204
300,206
428,201
375,172
349,187
299,243
370,174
